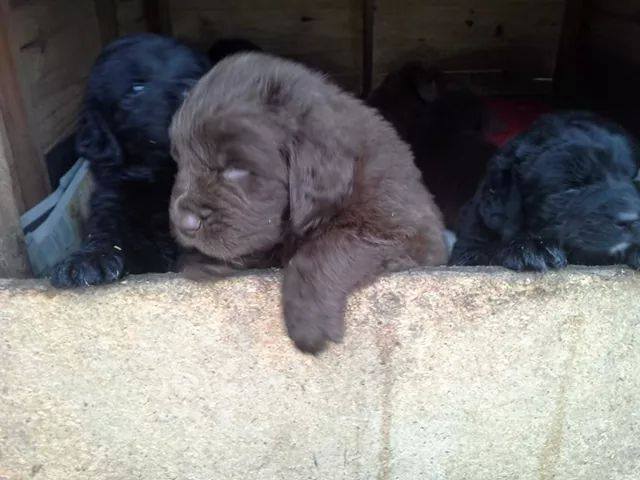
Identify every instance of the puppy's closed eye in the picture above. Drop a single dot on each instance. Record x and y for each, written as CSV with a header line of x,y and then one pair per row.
x,y
235,174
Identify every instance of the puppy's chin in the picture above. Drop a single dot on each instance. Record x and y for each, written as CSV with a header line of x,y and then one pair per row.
x,y
198,267
235,248
214,251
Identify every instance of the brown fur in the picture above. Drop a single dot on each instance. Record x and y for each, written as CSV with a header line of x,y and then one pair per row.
x,y
282,168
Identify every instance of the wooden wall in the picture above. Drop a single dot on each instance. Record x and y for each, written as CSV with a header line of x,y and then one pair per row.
x,y
13,256
326,34
519,36
611,59
130,16
613,29
516,36
54,44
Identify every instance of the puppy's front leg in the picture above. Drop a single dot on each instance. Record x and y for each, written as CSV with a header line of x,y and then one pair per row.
x,y
317,282
101,259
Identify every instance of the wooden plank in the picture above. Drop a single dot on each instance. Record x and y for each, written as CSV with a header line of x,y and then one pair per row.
x,y
570,52
13,257
630,8
517,36
23,159
131,17
615,36
609,63
325,34
368,25
158,16
107,14
54,45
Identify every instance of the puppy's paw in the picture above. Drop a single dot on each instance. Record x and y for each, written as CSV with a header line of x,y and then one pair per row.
x,y
311,329
312,317
468,257
89,267
531,254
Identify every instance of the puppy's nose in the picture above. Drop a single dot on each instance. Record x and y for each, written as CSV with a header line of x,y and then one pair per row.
x,y
189,223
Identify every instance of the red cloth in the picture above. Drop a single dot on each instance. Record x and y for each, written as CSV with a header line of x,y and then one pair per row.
x,y
511,116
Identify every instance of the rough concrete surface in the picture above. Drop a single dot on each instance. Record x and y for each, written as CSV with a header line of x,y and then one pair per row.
x,y
444,375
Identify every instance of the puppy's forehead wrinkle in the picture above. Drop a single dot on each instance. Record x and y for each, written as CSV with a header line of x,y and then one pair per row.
x,y
235,77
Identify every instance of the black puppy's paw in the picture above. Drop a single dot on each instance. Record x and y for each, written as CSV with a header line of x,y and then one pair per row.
x,y
531,254
469,256
87,267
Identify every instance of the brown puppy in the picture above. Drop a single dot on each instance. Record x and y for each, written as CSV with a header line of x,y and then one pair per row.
x,y
279,167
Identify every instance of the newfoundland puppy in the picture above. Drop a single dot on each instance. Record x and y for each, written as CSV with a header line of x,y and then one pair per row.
x,y
135,86
279,167
444,125
562,192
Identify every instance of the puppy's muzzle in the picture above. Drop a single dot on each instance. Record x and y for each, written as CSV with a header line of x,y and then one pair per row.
x,y
189,223
186,221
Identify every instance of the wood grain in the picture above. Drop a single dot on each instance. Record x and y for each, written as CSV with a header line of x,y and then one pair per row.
x,y
23,160
520,36
54,44
325,34
131,17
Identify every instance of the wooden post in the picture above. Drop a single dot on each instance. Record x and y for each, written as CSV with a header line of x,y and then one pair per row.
x,y
23,159
13,255
569,56
368,23
107,14
158,15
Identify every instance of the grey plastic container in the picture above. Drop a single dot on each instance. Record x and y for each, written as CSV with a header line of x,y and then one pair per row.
x,y
55,227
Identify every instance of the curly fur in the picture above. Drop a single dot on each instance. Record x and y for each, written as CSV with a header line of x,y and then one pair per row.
x,y
279,167
563,192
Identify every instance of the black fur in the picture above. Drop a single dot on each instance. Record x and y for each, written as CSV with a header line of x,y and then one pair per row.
x,y
443,123
562,192
135,86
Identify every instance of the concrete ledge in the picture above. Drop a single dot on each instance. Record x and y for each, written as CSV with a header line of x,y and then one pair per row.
x,y
444,374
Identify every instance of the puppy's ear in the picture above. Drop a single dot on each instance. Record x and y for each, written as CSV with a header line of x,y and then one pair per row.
x,y
500,202
95,140
320,179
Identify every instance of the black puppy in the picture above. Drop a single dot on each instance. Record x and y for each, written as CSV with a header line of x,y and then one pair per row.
x,y
135,86
562,192
444,125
